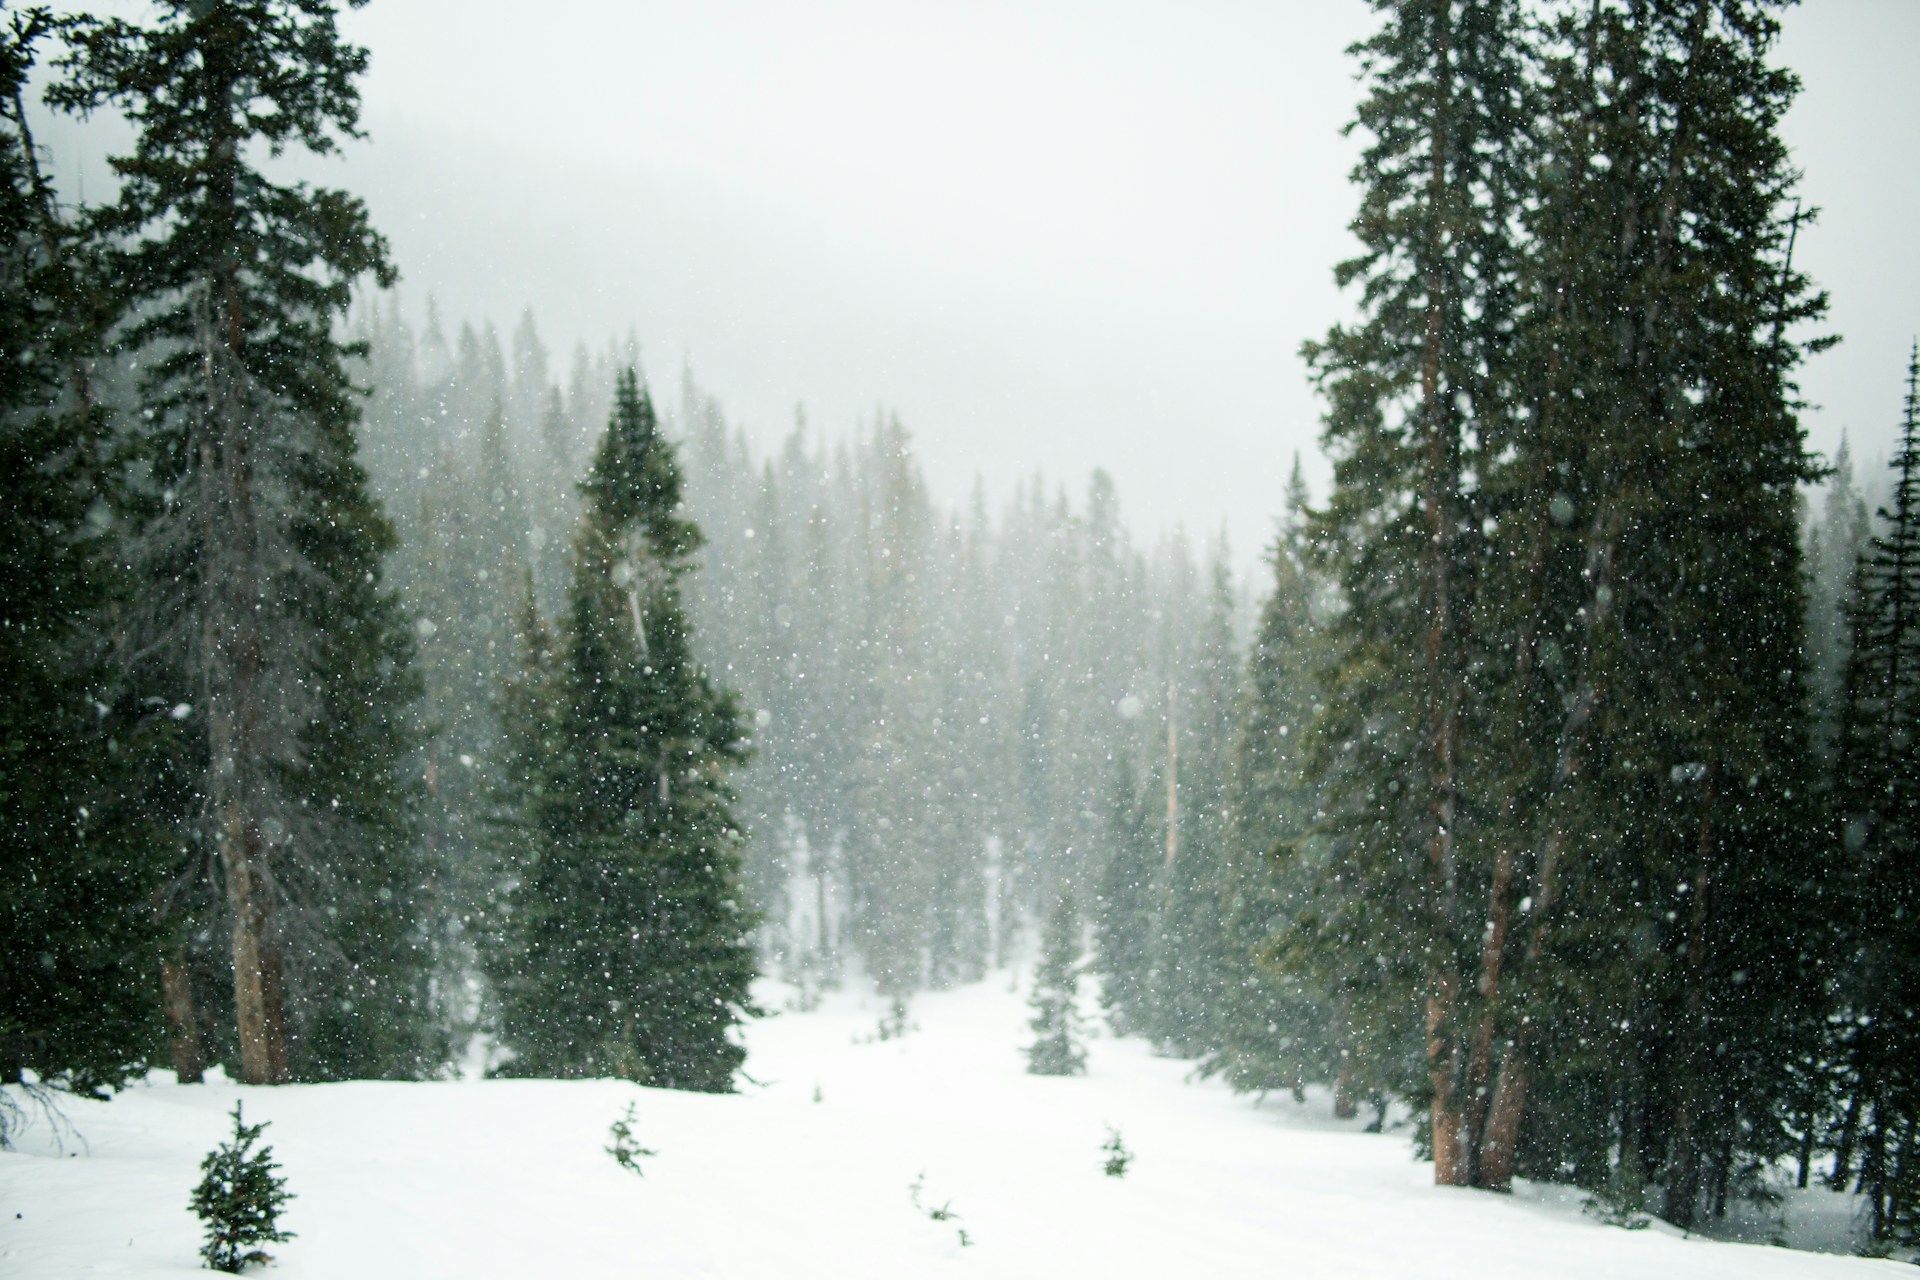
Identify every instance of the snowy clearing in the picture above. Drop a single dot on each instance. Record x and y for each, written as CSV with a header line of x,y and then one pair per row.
x,y
509,1178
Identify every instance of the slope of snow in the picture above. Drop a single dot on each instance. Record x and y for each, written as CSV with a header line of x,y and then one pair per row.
x,y
476,1179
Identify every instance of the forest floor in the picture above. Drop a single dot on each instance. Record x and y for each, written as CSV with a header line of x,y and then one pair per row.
x,y
807,1173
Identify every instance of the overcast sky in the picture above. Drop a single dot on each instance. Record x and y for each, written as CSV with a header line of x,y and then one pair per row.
x,y
1049,235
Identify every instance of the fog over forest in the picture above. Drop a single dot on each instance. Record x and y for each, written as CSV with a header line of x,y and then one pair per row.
x,y
1049,241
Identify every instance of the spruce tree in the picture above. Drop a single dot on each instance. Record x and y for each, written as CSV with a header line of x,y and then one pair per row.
x,y
263,615
240,1198
624,940
1419,395
1123,916
1273,1029
1057,1049
1877,821
1659,461
79,862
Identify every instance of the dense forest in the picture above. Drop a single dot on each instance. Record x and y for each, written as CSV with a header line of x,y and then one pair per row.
x,y
389,697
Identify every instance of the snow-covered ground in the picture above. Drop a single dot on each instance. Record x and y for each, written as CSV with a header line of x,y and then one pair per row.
x,y
807,1174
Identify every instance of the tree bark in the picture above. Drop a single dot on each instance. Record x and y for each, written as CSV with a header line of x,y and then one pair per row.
x,y
1442,490
235,606
1344,1105
1683,1164
184,1044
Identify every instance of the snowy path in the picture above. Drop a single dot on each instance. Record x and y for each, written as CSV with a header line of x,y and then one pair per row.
x,y
508,1179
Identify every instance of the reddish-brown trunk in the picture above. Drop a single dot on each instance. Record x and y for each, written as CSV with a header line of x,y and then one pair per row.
x,y
257,1018
184,1045
1449,1157
1501,1138
1344,1106
1492,960
1441,491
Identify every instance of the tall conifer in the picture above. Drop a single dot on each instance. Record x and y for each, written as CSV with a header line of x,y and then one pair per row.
x,y
624,946
259,547
78,980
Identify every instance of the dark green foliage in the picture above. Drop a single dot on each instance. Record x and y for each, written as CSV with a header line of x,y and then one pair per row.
x,y
261,607
623,947
942,1212
1056,1024
625,1151
1272,1027
78,947
1621,1201
1124,917
1118,1157
1563,750
240,1198
1876,834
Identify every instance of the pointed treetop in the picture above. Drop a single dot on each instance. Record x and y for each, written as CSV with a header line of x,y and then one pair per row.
x,y
635,482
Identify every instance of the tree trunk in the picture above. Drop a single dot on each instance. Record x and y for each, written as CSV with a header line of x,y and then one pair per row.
x,y
1344,1105
184,1045
256,994
1441,491
1480,1055
1805,1170
1843,1149
1449,1163
1500,1142
1684,1163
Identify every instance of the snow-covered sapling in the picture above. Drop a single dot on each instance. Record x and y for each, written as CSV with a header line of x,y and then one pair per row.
x,y
1622,1201
625,1151
239,1198
942,1212
1118,1157
893,1023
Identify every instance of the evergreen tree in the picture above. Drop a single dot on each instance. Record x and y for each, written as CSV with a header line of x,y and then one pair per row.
x,y
624,938
1877,800
1632,868
258,543
1123,917
1272,1029
1189,942
77,943
1057,1049
1419,396
240,1197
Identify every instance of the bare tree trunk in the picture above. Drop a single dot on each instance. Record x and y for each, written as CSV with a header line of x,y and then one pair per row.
x,y
232,599
1842,1171
1684,1160
1345,1106
1173,774
184,1045
1442,487
1492,959
257,1015
1804,1173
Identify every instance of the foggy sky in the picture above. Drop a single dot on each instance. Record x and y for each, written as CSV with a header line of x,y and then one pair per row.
x,y
1050,236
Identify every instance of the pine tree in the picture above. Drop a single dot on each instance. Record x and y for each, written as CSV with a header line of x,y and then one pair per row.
x,y
624,939
1273,1029
1662,822
240,1198
1877,795
1057,1049
1419,394
1123,917
77,941
258,541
